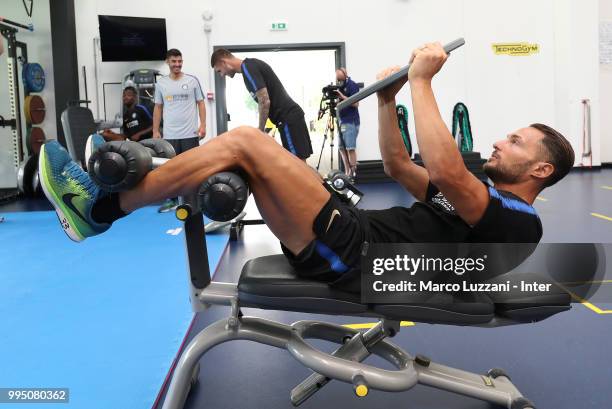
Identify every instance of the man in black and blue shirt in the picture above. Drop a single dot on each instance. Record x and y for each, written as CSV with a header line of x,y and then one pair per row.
x,y
272,99
321,236
349,122
137,120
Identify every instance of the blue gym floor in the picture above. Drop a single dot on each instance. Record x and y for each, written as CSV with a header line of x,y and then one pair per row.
x,y
107,317
104,318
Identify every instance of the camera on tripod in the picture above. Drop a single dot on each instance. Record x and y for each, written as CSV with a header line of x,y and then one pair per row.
x,y
329,100
330,92
328,106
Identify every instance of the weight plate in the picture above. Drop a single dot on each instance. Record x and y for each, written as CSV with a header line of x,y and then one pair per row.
x,y
33,77
35,138
36,187
25,175
34,109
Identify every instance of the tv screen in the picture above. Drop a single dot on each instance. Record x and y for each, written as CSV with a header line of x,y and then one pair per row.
x,y
132,38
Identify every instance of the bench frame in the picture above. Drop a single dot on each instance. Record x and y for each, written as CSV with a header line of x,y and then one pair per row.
x,y
345,364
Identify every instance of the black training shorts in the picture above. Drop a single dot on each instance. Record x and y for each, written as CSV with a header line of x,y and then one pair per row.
x,y
334,255
184,144
295,136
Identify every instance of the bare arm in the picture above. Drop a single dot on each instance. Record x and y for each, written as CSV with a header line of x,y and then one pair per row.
x,y
396,159
263,100
440,155
157,115
112,136
202,115
136,137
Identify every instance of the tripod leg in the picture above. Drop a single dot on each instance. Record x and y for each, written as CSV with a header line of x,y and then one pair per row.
x,y
331,149
322,146
342,149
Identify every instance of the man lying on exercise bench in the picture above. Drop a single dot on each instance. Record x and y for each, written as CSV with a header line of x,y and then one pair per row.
x,y
321,236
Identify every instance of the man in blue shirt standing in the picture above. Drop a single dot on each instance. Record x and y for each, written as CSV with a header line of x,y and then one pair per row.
x,y
349,122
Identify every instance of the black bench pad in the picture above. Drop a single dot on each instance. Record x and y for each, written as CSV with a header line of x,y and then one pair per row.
x,y
271,283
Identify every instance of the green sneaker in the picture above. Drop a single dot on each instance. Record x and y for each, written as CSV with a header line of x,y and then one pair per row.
x,y
70,190
168,206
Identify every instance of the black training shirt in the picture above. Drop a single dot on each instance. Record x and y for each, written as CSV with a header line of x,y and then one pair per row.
x,y
257,75
136,119
507,219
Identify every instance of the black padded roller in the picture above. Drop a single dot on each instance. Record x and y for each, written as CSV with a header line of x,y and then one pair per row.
x,y
223,196
161,147
522,403
119,165
497,372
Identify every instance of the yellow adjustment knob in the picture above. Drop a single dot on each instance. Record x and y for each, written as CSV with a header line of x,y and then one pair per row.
x,y
182,214
361,390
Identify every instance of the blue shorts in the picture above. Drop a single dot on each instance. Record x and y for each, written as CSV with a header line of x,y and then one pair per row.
x,y
349,134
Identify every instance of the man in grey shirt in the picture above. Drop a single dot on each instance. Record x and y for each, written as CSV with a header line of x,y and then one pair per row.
x,y
179,99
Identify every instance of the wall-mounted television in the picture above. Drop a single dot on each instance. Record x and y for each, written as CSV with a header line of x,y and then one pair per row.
x,y
132,38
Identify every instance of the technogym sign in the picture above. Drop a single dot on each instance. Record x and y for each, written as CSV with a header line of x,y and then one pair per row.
x,y
516,49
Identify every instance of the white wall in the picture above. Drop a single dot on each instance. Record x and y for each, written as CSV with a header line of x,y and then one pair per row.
x,y
577,72
39,50
605,88
503,93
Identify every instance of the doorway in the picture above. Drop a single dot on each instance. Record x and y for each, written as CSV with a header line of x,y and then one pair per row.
x,y
303,69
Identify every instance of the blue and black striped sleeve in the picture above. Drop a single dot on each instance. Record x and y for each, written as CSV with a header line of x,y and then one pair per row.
x,y
253,77
145,111
508,219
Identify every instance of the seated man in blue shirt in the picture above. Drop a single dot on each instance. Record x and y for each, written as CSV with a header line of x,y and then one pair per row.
x,y
137,120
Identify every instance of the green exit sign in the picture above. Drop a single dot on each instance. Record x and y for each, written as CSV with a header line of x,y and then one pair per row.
x,y
279,26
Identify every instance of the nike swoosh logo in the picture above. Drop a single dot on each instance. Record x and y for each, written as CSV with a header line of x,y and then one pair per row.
x,y
67,199
331,220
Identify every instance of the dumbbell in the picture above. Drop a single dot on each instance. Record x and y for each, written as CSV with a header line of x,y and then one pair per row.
x,y
341,185
120,165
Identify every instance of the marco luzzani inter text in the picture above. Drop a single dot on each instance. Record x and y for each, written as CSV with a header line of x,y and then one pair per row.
x,y
421,266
